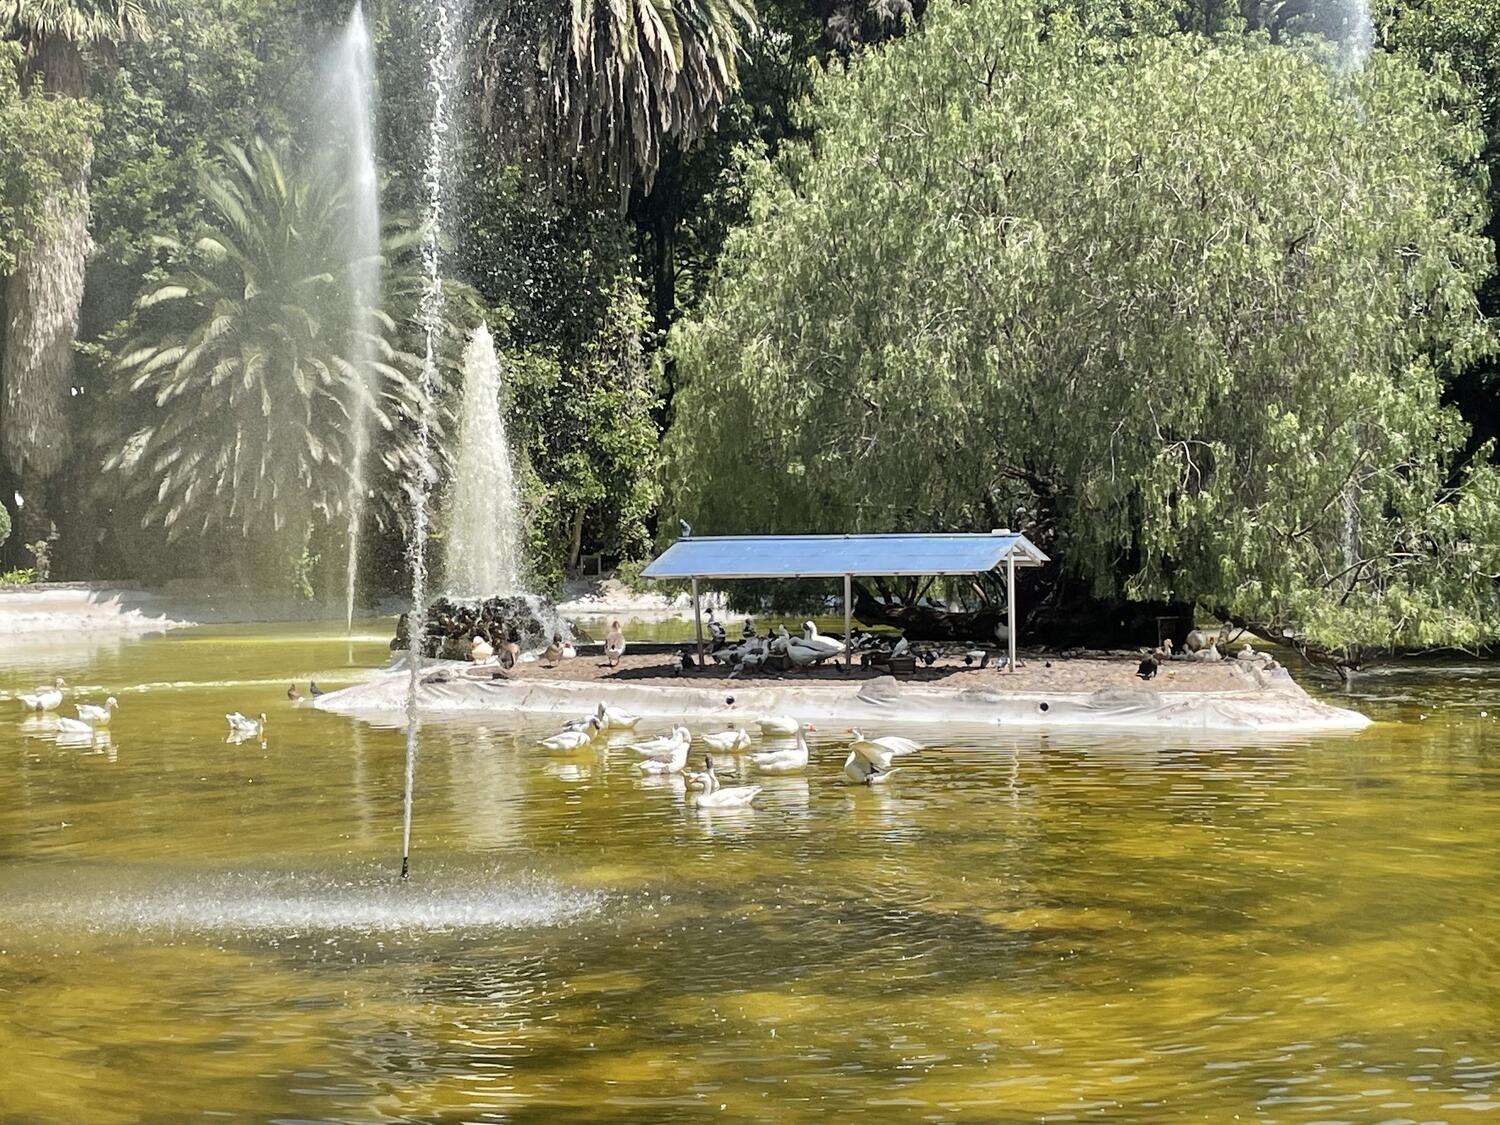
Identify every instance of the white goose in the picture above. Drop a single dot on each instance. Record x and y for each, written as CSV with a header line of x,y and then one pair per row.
x,y
783,761
244,724
66,725
779,725
673,762
665,745
612,718
715,796
728,741
862,771
45,698
98,716
567,740
881,750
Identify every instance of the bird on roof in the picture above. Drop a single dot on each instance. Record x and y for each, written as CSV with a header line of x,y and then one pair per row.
x,y
685,528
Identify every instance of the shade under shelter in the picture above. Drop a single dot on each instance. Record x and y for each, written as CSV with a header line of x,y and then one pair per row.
x,y
899,555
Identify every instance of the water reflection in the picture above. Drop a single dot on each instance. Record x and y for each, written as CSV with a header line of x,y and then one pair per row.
x,y
1019,926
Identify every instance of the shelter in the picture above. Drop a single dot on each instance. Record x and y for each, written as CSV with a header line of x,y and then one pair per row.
x,y
729,557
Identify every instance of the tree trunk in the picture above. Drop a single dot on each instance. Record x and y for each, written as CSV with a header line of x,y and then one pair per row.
x,y
42,300
575,548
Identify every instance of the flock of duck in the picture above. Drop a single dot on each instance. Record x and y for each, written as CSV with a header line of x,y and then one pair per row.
x,y
870,760
45,700
1202,648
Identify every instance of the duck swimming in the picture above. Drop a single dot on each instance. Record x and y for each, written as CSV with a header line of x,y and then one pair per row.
x,y
727,742
715,796
783,761
45,698
567,740
95,715
244,724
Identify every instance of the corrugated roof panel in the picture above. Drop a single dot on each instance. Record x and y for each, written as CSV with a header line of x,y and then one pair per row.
x,y
833,556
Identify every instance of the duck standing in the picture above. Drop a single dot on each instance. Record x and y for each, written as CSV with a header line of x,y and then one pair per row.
x,y
614,644
45,698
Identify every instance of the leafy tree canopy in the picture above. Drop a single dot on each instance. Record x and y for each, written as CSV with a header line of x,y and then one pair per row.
x,y
255,360
1186,302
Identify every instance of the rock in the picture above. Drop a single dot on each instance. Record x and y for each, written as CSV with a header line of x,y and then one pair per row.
x,y
451,625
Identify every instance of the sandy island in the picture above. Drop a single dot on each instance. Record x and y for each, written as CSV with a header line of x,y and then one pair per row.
x,y
1100,690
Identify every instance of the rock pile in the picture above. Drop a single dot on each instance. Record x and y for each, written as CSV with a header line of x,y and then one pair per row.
x,y
452,625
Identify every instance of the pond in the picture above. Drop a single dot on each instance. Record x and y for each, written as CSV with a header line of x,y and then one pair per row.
x,y
1019,927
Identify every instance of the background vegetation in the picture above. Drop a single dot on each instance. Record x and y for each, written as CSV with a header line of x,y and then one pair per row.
x,y
1167,282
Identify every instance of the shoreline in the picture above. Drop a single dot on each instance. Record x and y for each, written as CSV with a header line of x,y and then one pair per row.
x,y
1081,692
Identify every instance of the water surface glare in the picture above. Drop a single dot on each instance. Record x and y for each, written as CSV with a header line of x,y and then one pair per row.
x,y
1020,928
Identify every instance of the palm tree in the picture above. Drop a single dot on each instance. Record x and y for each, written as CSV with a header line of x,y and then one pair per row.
x,y
250,360
613,81
45,289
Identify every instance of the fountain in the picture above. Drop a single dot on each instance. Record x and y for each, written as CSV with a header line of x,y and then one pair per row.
x,y
440,70
483,529
350,83
1356,33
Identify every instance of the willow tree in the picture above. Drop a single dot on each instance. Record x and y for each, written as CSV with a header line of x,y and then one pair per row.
x,y
249,357
45,287
1188,304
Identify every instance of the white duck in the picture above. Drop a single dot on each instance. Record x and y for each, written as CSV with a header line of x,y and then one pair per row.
x,y
862,771
783,761
715,796
612,718
481,651
879,751
674,761
98,716
772,725
567,740
728,741
66,725
665,745
245,725
45,698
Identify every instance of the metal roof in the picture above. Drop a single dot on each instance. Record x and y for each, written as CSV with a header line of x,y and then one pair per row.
x,y
833,556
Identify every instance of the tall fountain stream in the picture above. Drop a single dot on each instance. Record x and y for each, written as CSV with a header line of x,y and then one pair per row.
x,y
350,121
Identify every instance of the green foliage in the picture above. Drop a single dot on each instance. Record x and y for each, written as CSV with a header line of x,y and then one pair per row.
x,y
22,576
44,144
608,86
1186,302
253,362
4,525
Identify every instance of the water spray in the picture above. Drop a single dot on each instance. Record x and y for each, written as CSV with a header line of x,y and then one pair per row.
x,y
439,73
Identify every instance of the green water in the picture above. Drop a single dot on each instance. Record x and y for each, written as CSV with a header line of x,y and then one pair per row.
x,y
1021,928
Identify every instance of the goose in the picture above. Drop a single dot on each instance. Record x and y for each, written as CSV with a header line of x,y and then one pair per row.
x,y
553,652
779,725
568,650
862,771
1250,655
715,796
1207,655
66,725
673,762
481,651
95,715
612,718
45,698
811,638
783,761
567,740
879,751
664,746
728,741
614,644
244,724
1147,668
